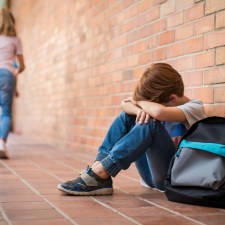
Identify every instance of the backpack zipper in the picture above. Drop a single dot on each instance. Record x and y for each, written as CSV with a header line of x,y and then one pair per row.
x,y
178,152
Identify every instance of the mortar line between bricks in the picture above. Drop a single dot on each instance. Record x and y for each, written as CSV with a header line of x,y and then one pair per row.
x,y
36,192
5,217
91,197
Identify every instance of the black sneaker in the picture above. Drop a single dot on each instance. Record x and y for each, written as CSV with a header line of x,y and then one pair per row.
x,y
87,184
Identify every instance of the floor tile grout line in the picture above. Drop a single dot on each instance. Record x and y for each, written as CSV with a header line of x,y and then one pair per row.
x,y
116,211
164,208
91,197
142,199
83,161
69,167
5,217
46,171
63,164
36,192
131,178
169,210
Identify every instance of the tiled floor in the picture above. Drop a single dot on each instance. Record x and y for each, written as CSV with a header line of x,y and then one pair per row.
x,y
28,194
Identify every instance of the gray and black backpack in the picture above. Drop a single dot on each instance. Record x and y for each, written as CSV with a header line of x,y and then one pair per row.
x,y
197,172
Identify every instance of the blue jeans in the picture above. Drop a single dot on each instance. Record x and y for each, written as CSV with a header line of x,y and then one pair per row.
x,y
7,84
148,145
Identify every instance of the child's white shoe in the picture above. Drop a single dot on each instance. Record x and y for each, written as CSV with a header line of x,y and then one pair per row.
x,y
3,150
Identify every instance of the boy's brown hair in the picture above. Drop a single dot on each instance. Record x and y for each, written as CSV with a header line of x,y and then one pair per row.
x,y
157,84
7,23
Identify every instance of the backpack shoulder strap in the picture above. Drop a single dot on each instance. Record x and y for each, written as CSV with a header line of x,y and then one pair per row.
x,y
211,119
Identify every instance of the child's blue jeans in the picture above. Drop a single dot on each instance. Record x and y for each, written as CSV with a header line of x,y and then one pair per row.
x,y
7,84
148,145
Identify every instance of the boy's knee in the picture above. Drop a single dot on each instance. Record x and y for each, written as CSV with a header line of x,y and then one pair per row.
x,y
152,123
127,117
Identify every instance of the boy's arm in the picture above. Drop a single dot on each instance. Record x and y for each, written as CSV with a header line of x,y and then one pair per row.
x,y
21,64
161,112
129,108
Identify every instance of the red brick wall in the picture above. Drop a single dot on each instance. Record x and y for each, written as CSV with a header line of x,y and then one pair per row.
x,y
83,57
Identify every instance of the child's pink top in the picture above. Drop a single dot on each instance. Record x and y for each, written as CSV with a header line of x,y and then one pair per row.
x,y
9,48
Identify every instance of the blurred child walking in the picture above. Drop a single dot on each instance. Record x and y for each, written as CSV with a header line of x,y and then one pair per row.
x,y
10,51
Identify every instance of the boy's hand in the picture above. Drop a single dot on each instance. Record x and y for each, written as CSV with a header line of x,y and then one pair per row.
x,y
142,117
130,99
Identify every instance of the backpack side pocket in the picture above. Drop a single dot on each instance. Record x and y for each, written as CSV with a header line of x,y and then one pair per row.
x,y
197,168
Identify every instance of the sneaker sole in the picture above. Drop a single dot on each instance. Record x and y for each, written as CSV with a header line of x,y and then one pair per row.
x,y
3,155
103,191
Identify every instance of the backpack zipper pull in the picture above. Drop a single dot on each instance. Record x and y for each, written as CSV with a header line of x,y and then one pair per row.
x,y
178,152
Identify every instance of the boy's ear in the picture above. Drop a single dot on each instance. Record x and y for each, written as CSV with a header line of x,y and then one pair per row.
x,y
173,98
